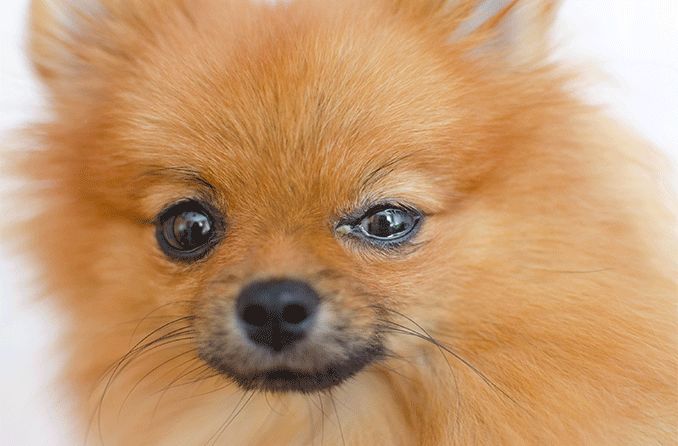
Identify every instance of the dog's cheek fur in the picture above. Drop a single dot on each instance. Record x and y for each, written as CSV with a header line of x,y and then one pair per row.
x,y
541,268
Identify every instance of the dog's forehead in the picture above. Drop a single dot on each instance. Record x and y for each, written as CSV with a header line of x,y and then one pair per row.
x,y
304,114
293,100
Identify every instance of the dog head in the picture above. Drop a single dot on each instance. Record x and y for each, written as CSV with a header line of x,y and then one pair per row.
x,y
295,179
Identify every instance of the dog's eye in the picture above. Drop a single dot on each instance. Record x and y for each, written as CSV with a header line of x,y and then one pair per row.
x,y
187,230
386,225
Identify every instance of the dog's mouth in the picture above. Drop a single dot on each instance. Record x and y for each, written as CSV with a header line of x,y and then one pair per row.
x,y
290,380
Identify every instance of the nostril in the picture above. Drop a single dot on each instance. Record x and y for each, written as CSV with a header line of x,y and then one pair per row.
x,y
294,314
255,315
277,313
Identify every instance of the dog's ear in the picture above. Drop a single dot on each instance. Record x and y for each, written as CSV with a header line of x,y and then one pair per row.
x,y
61,38
72,43
516,29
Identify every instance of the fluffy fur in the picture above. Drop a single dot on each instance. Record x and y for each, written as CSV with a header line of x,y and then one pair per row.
x,y
537,304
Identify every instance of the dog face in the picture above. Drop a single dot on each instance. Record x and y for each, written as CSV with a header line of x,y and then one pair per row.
x,y
308,190
292,183
287,180
302,194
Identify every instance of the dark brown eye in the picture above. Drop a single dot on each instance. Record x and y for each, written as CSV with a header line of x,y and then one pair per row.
x,y
187,230
388,224
384,225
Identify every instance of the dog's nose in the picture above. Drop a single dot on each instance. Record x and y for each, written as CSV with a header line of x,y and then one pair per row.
x,y
277,313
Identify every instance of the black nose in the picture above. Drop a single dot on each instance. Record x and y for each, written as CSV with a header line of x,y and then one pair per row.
x,y
277,313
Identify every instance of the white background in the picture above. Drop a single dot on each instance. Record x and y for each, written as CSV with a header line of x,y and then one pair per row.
x,y
633,43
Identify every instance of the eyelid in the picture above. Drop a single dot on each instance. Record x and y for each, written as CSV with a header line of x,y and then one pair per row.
x,y
158,200
188,202
361,211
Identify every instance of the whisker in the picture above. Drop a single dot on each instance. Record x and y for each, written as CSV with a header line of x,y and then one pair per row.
x,y
205,372
224,385
120,369
144,346
424,335
394,371
268,402
336,413
179,377
134,332
437,343
410,332
322,420
309,409
149,347
321,408
146,375
233,416
117,363
215,436
174,321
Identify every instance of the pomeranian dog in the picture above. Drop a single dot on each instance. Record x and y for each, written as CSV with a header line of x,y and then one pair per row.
x,y
348,222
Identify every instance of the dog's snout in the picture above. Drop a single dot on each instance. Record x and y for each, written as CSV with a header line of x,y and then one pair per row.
x,y
277,313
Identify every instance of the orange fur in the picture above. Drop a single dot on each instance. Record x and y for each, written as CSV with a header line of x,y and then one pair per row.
x,y
546,264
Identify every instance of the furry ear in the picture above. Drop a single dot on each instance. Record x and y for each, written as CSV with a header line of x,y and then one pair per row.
x,y
517,29
75,40
59,38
